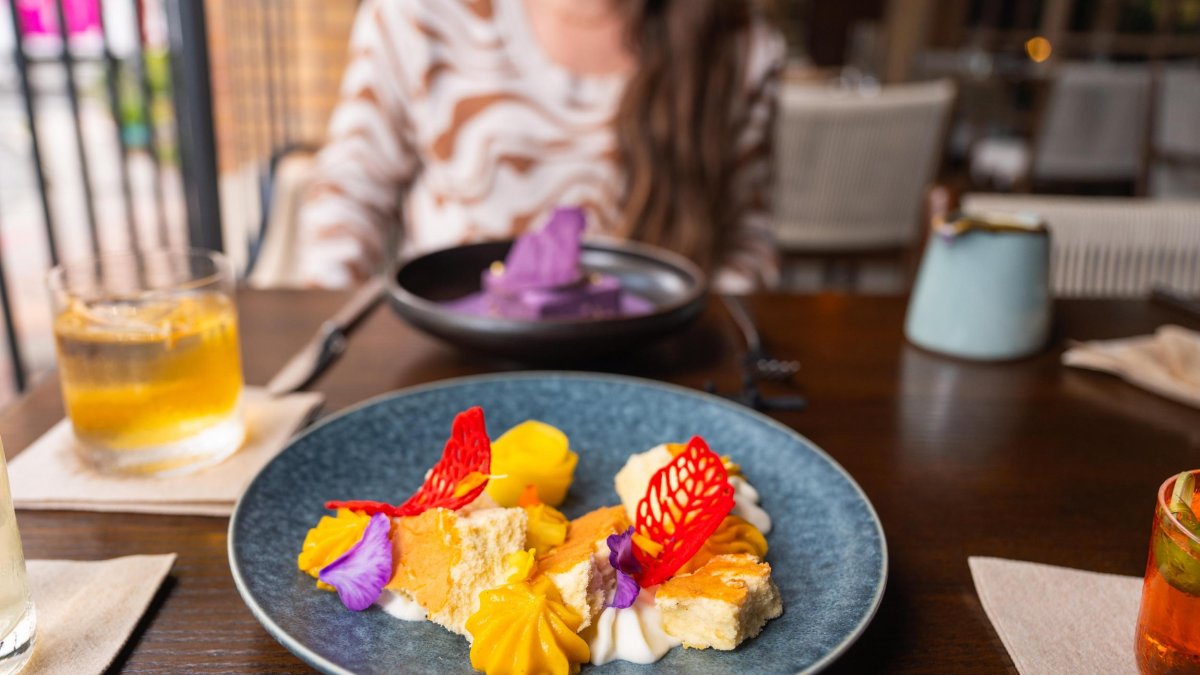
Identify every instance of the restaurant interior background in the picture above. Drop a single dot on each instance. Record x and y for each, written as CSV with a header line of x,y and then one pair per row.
x,y
161,110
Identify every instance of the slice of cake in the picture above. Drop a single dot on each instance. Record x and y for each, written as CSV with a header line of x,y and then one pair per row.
x,y
444,559
726,601
579,567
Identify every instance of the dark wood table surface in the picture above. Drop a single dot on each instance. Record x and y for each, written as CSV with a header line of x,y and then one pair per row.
x,y
1025,460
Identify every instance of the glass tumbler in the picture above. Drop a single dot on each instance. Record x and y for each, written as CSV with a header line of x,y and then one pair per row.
x,y
17,617
148,359
1167,639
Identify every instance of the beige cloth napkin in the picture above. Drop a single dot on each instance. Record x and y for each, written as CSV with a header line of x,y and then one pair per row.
x,y
1057,620
87,609
49,475
1166,363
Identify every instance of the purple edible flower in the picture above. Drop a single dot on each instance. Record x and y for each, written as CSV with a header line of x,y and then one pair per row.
x,y
360,573
620,556
548,258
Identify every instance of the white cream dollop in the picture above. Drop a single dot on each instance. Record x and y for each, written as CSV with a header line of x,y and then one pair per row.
x,y
400,606
633,634
633,479
745,505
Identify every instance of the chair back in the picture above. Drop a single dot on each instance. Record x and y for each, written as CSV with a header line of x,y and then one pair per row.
x,y
274,257
1093,127
852,167
1175,156
1112,246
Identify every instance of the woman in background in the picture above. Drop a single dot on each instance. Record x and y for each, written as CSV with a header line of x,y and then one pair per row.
x,y
468,120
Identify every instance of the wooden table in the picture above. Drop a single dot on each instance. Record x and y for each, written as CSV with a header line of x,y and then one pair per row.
x,y
1024,460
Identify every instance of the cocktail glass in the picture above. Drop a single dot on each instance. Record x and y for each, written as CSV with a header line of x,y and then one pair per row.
x,y
1167,640
149,361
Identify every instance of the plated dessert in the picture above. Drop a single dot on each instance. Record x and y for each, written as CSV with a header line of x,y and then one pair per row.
x,y
481,550
542,278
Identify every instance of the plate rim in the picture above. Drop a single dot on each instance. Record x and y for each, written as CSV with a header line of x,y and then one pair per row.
x,y
317,661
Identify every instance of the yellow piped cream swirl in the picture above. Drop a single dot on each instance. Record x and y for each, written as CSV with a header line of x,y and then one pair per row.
x,y
524,627
733,535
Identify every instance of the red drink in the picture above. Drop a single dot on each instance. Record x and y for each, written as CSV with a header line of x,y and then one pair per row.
x,y
1167,640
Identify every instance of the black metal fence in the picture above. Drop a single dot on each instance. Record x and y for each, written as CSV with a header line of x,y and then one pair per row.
x,y
148,67
193,112
158,87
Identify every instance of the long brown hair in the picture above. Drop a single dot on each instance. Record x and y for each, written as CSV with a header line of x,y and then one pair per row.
x,y
675,126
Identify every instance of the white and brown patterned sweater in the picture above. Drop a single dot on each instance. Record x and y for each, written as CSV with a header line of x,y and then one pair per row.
x,y
454,122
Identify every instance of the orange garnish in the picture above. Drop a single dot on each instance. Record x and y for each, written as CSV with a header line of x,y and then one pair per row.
x,y
529,497
469,483
648,545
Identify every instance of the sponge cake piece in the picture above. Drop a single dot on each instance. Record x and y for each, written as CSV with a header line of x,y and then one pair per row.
x,y
444,559
579,566
723,603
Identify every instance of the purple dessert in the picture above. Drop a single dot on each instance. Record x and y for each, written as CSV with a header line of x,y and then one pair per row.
x,y
542,279
541,260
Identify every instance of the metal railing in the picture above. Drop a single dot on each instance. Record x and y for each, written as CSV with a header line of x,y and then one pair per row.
x,y
163,72
180,119
193,112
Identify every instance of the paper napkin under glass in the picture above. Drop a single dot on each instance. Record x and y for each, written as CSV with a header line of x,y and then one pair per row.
x,y
1166,363
50,475
86,610
1057,620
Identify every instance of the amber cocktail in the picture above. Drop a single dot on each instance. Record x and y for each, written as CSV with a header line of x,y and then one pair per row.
x,y
1167,640
149,361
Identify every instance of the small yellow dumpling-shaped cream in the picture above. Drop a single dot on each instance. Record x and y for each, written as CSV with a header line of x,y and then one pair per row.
x,y
531,453
524,627
547,525
333,536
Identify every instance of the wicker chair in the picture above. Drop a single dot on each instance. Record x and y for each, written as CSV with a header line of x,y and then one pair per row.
x,y
1093,129
852,168
1175,151
1112,246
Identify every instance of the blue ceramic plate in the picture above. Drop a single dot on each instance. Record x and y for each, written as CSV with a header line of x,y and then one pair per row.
x,y
827,549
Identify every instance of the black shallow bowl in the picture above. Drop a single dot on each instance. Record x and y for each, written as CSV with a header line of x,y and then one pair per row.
x,y
674,286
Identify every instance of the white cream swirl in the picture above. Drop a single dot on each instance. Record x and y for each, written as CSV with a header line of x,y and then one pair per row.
x,y
399,605
634,634
745,505
633,478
